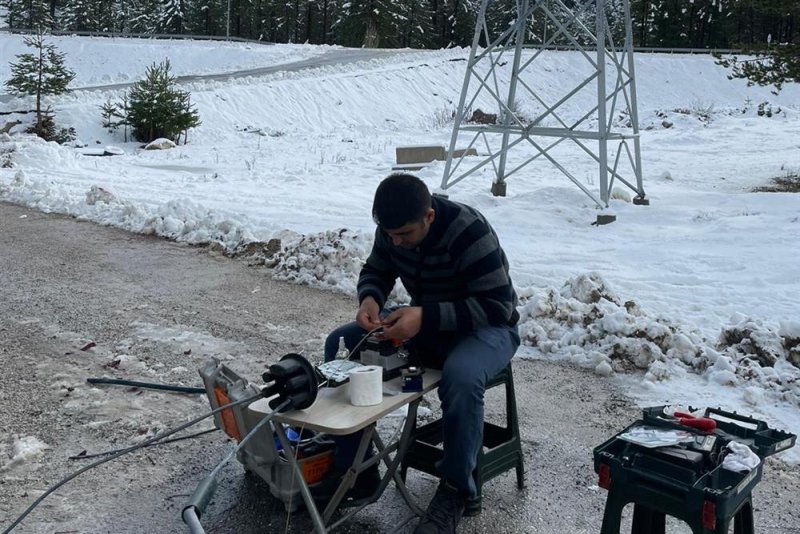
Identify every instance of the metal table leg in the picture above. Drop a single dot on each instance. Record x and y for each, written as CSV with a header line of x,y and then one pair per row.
x,y
349,477
402,446
304,491
359,465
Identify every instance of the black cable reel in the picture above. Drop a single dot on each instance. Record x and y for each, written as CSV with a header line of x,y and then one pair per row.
x,y
294,379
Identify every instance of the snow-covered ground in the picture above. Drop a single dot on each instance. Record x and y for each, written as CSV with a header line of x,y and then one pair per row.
x,y
693,299
107,60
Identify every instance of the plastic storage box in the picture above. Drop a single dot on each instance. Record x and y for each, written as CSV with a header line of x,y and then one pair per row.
x,y
686,480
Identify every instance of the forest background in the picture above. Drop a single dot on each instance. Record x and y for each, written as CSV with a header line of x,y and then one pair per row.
x,y
713,24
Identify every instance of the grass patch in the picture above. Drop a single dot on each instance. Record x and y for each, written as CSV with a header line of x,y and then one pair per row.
x,y
790,183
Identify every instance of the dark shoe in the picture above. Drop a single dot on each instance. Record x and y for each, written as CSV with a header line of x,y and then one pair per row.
x,y
472,507
365,485
444,512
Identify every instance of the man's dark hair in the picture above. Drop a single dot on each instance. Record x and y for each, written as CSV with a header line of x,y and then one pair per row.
x,y
400,199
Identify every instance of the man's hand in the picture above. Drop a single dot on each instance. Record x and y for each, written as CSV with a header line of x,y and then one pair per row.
x,y
404,323
368,316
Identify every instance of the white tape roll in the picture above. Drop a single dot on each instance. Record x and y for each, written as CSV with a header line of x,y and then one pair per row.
x,y
366,385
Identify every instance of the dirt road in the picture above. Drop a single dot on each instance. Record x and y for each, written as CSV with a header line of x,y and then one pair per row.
x,y
156,310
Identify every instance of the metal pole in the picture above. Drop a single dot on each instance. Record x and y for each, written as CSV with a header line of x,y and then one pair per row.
x,y
634,111
602,119
499,186
460,111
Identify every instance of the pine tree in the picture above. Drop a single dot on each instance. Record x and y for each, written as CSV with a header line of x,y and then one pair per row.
x,y
116,115
41,73
775,67
244,17
13,13
417,24
170,17
327,13
499,15
206,17
643,13
79,15
460,23
105,14
768,31
155,108
143,16
33,15
615,10
119,15
368,23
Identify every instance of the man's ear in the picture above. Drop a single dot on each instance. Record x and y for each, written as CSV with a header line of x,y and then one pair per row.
x,y
430,215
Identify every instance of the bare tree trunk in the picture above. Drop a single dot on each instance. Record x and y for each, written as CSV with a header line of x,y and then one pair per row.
x,y
325,22
296,17
643,23
39,89
371,37
309,20
451,38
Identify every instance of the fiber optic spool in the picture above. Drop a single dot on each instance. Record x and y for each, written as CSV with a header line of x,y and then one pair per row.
x,y
294,380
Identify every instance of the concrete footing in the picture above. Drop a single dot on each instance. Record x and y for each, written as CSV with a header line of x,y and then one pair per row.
x,y
499,189
414,158
605,219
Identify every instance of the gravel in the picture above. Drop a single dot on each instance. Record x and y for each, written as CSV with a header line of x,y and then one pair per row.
x,y
156,310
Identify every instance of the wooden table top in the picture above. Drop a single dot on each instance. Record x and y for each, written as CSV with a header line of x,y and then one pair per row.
x,y
332,412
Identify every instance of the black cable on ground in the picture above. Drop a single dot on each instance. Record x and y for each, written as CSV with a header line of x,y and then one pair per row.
x,y
114,451
116,455
147,385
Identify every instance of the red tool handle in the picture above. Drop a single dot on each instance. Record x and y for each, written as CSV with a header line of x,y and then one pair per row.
x,y
700,423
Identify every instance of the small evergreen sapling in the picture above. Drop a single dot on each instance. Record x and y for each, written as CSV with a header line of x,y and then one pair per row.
x,y
116,115
155,108
41,73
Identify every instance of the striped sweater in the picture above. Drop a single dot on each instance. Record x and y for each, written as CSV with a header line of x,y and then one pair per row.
x,y
458,274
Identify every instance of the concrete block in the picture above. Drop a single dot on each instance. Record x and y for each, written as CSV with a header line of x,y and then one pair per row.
x,y
605,219
420,154
408,167
459,152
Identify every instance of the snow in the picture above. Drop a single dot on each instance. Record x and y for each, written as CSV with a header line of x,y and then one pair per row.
x,y
159,144
107,60
23,449
692,300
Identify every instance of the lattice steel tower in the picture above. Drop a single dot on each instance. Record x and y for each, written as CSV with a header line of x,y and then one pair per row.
x,y
596,110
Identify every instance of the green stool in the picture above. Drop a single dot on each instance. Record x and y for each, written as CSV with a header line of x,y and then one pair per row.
x,y
652,504
501,451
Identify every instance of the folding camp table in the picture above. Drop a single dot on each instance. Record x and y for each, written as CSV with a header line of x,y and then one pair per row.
x,y
333,414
